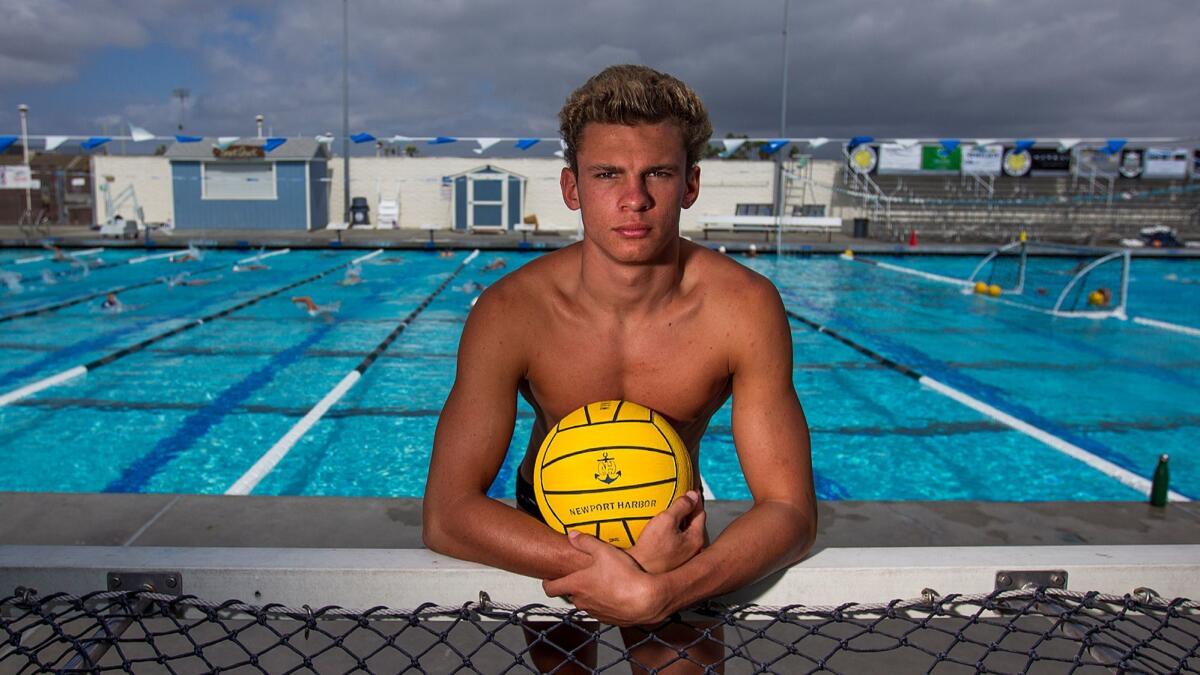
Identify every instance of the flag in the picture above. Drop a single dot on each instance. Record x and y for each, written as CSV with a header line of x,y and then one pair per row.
x,y
773,146
1113,146
949,145
484,144
441,140
188,139
815,143
1021,145
732,145
139,134
859,140
6,142
94,142
527,143
362,137
1065,144
272,143
52,142
224,142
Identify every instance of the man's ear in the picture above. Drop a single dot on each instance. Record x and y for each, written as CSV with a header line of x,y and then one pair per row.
x,y
569,183
693,186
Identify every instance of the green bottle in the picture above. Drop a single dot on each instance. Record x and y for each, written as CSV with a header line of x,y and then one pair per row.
x,y
1162,478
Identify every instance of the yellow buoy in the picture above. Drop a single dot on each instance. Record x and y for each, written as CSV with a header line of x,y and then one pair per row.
x,y
981,287
1023,236
848,254
994,291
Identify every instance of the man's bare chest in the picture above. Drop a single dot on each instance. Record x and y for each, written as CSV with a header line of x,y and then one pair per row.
x,y
681,371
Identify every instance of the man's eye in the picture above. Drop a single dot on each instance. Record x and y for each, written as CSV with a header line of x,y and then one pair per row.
x,y
606,174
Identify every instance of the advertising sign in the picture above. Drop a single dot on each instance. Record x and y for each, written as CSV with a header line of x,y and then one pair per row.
x,y
1167,163
934,158
239,152
982,160
894,158
863,159
1049,162
1131,163
1095,162
16,176
1017,164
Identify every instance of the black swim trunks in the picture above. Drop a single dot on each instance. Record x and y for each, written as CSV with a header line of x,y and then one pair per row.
x,y
526,501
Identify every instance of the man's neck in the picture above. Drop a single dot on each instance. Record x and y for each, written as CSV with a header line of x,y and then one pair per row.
x,y
626,289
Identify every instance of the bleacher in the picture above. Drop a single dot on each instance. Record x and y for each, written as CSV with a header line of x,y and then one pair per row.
x,y
1067,208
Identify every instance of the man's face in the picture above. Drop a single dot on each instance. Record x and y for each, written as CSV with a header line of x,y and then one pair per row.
x,y
631,183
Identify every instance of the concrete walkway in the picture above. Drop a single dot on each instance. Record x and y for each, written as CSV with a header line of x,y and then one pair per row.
x,y
335,522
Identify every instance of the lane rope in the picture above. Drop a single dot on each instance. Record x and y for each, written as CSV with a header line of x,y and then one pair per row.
x,y
1121,474
72,373
271,458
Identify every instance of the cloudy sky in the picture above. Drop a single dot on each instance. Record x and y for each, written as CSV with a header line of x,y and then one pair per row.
x,y
940,68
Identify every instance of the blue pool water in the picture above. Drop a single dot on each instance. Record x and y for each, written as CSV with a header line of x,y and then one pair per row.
x,y
192,413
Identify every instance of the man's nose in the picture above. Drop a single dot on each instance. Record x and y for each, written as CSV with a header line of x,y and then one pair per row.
x,y
635,196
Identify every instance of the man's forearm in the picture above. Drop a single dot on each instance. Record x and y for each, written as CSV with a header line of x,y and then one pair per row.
x,y
768,537
483,530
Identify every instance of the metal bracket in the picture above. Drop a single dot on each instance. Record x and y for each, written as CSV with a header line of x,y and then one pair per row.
x,y
166,583
1016,580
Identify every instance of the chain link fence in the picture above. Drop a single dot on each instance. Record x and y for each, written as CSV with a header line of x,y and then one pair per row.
x,y
1023,631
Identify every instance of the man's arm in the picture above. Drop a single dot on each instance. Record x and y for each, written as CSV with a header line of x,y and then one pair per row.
x,y
771,436
472,438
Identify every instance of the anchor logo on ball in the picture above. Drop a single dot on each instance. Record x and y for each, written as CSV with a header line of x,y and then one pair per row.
x,y
606,470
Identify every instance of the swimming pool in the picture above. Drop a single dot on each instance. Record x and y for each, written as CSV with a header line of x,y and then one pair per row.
x,y
193,412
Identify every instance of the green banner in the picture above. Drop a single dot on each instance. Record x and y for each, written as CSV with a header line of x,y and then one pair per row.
x,y
935,158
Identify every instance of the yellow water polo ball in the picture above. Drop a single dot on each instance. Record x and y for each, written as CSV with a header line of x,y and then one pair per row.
x,y
1095,298
994,291
609,467
981,287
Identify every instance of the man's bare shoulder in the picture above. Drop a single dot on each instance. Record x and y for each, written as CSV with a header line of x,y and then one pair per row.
x,y
725,280
527,292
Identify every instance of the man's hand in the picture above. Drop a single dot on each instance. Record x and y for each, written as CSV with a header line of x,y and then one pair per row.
x,y
612,589
673,537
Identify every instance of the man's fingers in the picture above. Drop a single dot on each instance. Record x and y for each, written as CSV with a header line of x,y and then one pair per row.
x,y
681,507
586,542
555,588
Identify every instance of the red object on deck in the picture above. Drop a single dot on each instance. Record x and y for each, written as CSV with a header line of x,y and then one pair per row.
x,y
912,237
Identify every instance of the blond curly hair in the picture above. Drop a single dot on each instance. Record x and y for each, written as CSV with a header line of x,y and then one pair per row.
x,y
632,94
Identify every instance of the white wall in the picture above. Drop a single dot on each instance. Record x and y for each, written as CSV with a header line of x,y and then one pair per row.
x,y
417,182
151,178
424,199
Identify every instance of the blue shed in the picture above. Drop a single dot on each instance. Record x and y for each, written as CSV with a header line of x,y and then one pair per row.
x,y
488,198
250,184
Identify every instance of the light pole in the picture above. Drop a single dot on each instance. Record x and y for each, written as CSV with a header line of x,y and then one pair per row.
x,y
346,110
779,195
24,110
182,94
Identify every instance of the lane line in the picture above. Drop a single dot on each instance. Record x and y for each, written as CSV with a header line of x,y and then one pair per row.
x,y
74,254
76,371
1124,476
1173,327
264,256
272,457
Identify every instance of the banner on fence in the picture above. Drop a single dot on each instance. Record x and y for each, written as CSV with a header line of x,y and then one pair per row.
x,y
1091,162
1131,163
1049,161
935,159
896,158
1167,163
17,176
982,160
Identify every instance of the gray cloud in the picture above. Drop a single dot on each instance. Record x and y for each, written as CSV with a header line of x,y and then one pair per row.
x,y
941,67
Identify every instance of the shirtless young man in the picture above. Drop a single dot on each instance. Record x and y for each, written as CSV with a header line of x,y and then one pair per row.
x,y
631,312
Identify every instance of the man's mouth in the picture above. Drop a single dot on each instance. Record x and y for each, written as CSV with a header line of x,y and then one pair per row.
x,y
633,230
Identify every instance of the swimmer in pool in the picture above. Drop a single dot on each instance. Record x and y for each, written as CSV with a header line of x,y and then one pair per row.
x,y
633,311
112,304
185,280
249,267
48,277
315,310
472,287
445,253
193,255
496,264
12,281
353,276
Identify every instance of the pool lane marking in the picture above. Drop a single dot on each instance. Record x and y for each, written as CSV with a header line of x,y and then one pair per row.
x,y
38,258
157,256
264,256
77,371
91,296
1174,327
271,458
906,270
1122,475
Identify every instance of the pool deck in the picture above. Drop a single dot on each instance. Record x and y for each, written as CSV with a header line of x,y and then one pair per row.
x,y
84,519
738,242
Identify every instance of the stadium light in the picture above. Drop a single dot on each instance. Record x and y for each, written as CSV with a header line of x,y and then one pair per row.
x,y
24,110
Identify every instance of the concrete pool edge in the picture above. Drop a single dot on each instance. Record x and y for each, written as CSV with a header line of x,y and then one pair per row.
x,y
89,519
